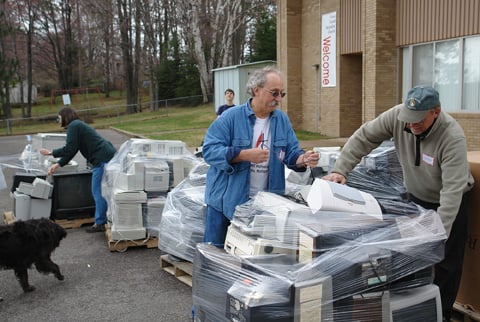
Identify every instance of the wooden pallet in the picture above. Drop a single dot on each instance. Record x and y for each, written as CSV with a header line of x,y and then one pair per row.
x,y
75,223
466,313
8,217
123,245
182,270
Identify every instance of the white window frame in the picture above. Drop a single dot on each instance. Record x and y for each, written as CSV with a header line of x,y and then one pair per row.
x,y
406,53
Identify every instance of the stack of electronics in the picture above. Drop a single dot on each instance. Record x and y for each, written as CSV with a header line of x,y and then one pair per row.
x,y
285,261
275,288
32,200
182,223
137,181
71,197
380,174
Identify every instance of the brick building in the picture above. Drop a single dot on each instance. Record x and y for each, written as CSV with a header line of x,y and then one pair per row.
x,y
346,61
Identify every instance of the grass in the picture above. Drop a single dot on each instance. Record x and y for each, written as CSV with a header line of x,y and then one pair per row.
x,y
187,124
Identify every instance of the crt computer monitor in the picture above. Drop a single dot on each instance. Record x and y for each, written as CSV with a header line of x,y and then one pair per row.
x,y
416,304
72,195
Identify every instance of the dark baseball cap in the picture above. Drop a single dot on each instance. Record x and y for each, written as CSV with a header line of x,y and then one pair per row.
x,y
420,99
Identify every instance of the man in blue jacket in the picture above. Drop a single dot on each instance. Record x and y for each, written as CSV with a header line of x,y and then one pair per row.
x,y
247,149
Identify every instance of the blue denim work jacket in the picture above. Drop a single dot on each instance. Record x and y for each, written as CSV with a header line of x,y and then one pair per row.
x,y
228,184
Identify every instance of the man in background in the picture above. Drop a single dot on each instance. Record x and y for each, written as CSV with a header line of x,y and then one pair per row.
x,y
229,96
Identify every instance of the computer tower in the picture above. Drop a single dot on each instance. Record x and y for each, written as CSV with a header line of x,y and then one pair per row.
x,y
21,205
313,300
265,299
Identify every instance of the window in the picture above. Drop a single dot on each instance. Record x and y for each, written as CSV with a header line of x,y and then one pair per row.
x,y
471,74
452,67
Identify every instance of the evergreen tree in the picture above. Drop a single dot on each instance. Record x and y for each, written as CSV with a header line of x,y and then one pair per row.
x,y
263,43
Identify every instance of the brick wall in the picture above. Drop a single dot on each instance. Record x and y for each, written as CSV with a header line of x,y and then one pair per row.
x,y
470,124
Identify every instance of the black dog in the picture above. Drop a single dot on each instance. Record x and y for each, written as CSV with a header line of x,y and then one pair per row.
x,y
28,242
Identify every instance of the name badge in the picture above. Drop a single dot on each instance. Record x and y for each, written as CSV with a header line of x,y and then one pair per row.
x,y
428,159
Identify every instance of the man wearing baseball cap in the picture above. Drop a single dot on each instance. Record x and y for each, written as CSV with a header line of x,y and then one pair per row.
x,y
432,151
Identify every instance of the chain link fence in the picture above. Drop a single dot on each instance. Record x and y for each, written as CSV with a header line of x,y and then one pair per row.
x,y
14,126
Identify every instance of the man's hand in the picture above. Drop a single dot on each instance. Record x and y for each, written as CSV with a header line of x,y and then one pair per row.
x,y
254,155
335,177
309,159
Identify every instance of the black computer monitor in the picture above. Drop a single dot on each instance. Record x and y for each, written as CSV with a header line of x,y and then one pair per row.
x,y
72,195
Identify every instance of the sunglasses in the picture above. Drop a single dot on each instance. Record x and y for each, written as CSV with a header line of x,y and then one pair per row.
x,y
276,93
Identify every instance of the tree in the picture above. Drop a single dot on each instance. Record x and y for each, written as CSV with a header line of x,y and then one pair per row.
x,y
56,24
101,39
8,62
210,29
263,39
27,15
158,42
129,21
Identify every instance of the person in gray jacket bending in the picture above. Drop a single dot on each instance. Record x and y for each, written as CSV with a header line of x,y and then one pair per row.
x,y
432,151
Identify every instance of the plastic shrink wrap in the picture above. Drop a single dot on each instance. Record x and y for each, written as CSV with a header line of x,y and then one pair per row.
x,y
282,262
183,219
137,181
182,224
380,174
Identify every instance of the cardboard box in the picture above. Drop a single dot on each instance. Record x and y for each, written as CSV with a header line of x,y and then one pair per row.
x,y
468,294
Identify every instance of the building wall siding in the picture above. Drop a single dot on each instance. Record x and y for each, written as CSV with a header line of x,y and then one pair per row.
x,y
368,66
350,24
430,20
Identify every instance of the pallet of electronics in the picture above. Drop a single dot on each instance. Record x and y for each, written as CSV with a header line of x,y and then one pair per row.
x,y
283,261
136,184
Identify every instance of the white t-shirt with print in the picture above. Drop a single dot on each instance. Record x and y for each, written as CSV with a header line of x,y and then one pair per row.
x,y
259,171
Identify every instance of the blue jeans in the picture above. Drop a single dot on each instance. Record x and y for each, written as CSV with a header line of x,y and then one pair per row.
x,y
100,202
216,225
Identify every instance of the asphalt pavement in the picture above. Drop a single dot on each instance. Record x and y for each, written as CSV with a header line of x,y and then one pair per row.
x,y
99,285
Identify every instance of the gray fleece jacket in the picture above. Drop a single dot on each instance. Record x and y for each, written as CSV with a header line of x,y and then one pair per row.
x,y
440,175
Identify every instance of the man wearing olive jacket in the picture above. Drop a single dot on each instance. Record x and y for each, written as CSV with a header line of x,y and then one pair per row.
x,y
432,151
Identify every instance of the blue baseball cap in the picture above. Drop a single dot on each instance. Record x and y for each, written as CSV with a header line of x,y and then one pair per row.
x,y
420,100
